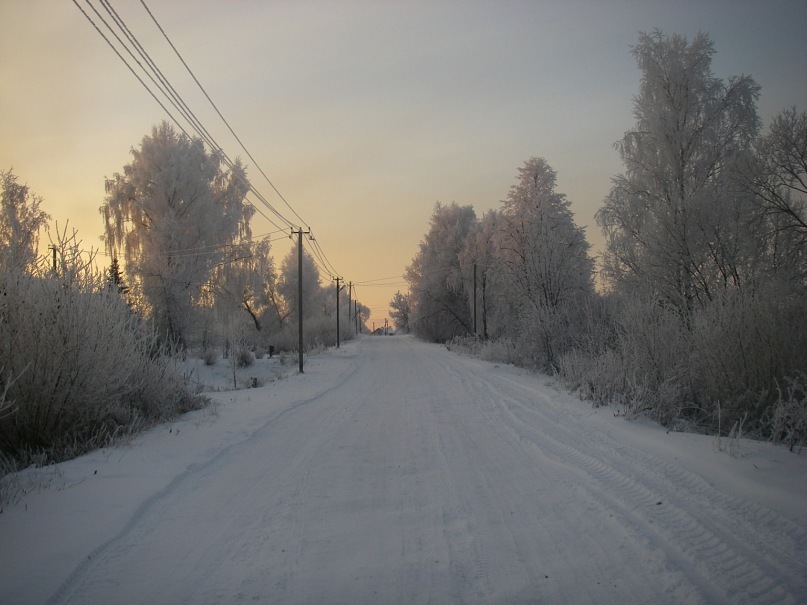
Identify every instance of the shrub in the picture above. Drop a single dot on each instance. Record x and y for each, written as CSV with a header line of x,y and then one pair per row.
x,y
243,357
318,333
744,343
788,415
210,355
79,367
501,350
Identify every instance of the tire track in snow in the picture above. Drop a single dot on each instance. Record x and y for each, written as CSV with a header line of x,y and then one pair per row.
x,y
751,556
514,528
465,553
98,555
299,494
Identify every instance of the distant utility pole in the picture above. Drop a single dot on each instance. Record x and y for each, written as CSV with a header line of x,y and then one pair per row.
x,y
349,300
338,289
300,343
356,315
475,332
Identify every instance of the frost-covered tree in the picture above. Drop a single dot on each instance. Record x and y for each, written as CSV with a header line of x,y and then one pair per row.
x,y
707,312
114,277
314,295
481,257
544,251
781,182
664,213
778,180
20,222
246,283
545,256
175,212
438,302
399,311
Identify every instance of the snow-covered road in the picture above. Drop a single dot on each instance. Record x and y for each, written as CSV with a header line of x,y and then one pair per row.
x,y
397,472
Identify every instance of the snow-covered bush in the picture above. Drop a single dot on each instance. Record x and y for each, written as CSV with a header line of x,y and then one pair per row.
x,y
501,350
210,355
718,366
589,376
78,366
318,332
6,406
243,356
634,356
788,415
742,343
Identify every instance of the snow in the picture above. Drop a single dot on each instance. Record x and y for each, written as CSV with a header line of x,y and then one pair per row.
x,y
394,471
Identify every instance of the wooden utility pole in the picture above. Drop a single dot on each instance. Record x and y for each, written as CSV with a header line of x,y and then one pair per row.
x,y
300,344
475,332
337,310
349,300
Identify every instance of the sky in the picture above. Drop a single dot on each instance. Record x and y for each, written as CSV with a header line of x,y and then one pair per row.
x,y
365,114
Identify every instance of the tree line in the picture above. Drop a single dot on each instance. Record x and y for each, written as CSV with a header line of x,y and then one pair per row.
x,y
695,312
89,354
181,220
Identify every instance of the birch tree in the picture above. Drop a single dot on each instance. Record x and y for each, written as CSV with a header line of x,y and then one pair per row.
x,y
399,311
174,211
781,183
480,262
314,295
21,219
246,282
663,213
545,255
438,300
778,181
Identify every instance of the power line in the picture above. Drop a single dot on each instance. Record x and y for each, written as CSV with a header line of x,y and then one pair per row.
x,y
133,47
134,73
321,253
173,97
370,281
164,85
226,123
205,134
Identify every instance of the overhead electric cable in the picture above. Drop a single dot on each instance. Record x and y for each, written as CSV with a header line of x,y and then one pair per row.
x,y
134,73
133,47
370,281
226,123
164,85
324,257
174,99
